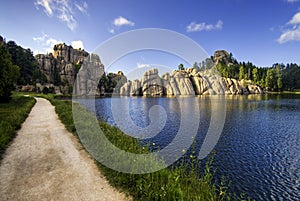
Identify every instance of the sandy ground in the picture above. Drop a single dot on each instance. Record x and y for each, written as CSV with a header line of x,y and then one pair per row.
x,y
46,162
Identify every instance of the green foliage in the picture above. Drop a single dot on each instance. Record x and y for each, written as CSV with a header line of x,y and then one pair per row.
x,y
278,77
9,74
291,77
29,71
12,115
181,67
55,76
110,81
255,75
273,81
77,67
241,73
48,90
279,83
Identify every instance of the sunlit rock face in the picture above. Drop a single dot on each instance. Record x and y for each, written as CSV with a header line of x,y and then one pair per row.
x,y
187,82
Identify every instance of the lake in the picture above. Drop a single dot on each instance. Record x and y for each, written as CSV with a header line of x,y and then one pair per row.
x,y
259,147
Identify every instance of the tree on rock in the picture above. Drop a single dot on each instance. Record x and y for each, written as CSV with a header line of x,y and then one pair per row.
x,y
255,75
241,73
9,74
181,67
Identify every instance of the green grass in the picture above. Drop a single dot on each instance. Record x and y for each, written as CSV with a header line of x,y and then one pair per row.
x,y
182,182
286,92
12,115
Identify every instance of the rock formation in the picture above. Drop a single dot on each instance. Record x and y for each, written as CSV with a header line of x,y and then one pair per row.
x,y
89,76
222,55
188,82
68,54
61,63
151,83
61,68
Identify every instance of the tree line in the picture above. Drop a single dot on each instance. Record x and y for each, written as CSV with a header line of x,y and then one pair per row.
x,y
278,77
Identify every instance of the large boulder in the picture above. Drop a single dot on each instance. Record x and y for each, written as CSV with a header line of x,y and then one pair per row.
x,y
222,55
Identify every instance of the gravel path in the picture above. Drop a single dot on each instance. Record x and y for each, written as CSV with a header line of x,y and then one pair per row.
x,y
46,162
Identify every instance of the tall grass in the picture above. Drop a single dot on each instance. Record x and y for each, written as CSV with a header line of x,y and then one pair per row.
x,y
181,182
12,115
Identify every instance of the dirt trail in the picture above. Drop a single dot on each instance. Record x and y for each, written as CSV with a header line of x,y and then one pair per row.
x,y
45,162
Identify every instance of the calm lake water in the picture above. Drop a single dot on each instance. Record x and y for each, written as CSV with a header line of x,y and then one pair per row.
x,y
258,150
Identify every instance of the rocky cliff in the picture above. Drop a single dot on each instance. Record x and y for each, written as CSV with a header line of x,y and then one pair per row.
x,y
187,82
61,65
61,68
89,76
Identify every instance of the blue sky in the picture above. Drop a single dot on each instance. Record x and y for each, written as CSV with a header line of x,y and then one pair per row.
x,y
260,31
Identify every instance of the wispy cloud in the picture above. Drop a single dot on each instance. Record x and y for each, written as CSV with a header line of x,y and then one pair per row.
x,y
119,22
292,33
64,10
46,5
193,26
82,8
291,1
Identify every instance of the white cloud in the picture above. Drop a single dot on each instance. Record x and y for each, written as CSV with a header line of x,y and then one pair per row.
x,y
77,44
295,19
292,1
193,26
64,10
121,21
289,35
45,44
141,65
293,32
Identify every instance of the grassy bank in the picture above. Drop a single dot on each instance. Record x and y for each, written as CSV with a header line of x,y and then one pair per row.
x,y
12,115
182,182
285,92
